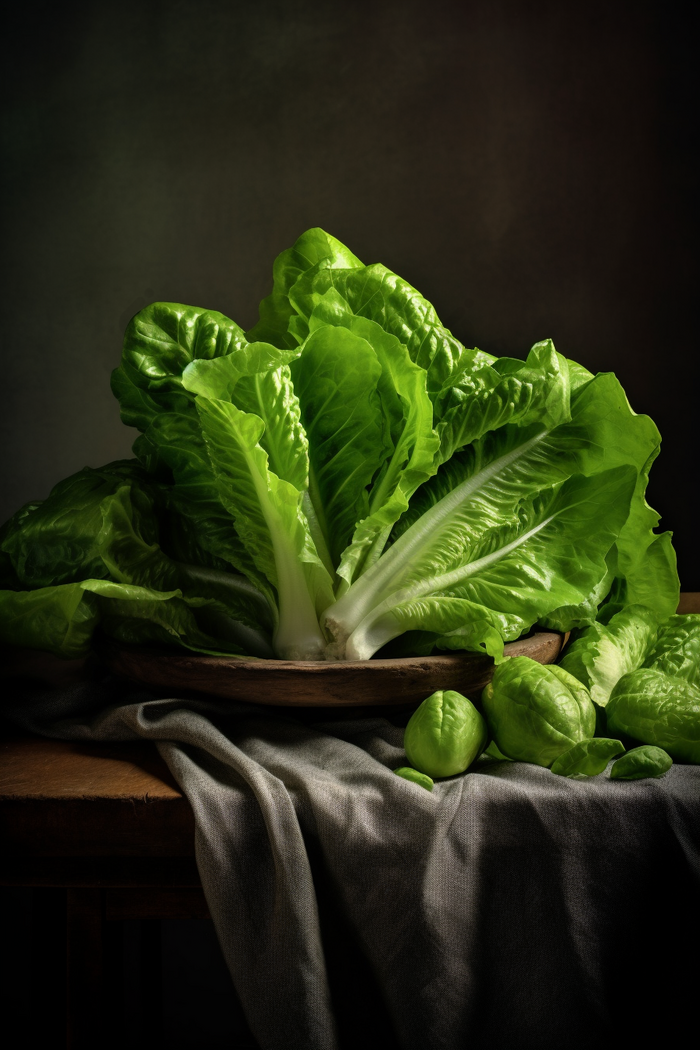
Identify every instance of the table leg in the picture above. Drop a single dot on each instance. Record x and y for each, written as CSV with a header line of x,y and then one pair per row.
x,y
48,966
151,981
84,957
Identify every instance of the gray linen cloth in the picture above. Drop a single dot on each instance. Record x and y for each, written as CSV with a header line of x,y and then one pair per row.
x,y
510,908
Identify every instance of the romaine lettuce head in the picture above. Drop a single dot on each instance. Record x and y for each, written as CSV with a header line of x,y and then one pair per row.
x,y
657,708
536,712
354,473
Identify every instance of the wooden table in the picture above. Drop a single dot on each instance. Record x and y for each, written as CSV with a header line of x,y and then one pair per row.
x,y
103,834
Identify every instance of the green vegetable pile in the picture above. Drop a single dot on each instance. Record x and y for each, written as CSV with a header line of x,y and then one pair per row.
x,y
632,680
345,478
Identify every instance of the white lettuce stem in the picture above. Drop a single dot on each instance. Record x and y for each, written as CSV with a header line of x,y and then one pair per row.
x,y
297,635
384,577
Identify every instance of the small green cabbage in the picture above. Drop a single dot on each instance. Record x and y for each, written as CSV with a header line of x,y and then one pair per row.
x,y
415,777
537,712
646,761
445,734
657,708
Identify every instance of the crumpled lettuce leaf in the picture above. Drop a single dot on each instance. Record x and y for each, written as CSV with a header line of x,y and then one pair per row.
x,y
677,649
313,247
63,619
517,573
660,709
462,524
102,524
600,655
472,403
378,294
641,564
59,620
56,540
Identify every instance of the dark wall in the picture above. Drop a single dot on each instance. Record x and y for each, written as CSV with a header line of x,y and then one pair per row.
x,y
525,165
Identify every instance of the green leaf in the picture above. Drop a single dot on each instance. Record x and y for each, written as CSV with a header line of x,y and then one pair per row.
x,y
336,379
56,540
159,344
651,579
641,566
270,522
221,377
235,612
379,295
587,758
168,349
509,534
62,620
600,655
271,397
404,455
59,620
136,615
640,762
313,247
415,777
494,752
162,339
472,403
177,442
578,376
645,564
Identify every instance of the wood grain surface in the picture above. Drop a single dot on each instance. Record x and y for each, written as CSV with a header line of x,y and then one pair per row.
x,y
285,683
68,799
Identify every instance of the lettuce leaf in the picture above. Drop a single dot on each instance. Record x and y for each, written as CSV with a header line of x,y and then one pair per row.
x,y
600,655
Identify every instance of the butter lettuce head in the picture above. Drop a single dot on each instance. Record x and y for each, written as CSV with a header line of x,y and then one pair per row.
x,y
536,712
659,709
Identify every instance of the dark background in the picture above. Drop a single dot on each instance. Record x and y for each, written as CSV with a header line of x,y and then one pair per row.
x,y
527,166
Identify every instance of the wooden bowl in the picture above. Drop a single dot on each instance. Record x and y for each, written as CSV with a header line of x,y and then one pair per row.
x,y
297,683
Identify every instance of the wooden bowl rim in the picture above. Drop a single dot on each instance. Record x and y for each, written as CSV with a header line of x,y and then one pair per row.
x,y
397,663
